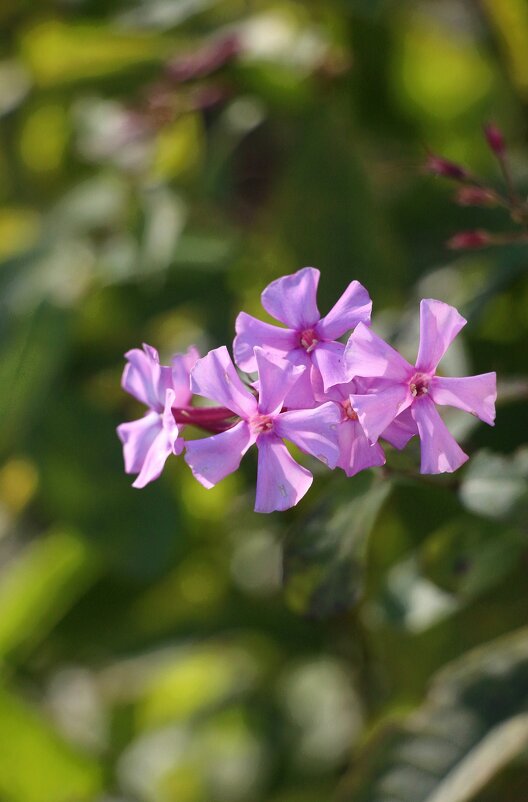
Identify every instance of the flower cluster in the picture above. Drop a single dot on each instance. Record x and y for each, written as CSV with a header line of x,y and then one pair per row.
x,y
331,400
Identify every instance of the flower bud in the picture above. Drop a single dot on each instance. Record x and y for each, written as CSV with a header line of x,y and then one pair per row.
x,y
466,240
437,165
475,196
495,139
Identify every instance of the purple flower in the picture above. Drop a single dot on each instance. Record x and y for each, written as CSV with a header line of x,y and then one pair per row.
x,y
281,482
147,442
309,339
418,388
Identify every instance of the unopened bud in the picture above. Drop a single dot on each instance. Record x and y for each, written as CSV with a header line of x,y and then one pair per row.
x,y
437,165
466,240
495,139
475,196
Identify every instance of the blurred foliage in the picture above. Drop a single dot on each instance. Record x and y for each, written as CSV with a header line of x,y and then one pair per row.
x,y
170,645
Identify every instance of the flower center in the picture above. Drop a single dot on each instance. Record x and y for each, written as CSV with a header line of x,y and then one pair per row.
x,y
260,424
308,340
419,384
349,412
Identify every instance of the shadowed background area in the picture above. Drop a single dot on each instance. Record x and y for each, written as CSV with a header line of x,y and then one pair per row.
x,y
161,161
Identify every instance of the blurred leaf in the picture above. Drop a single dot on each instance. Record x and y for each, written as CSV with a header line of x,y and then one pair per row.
x,y
58,53
28,363
179,147
496,485
195,681
18,230
40,586
468,556
473,724
324,554
510,18
35,765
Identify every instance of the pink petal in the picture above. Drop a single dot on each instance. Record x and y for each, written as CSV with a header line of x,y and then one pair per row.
x,y
215,457
252,332
181,365
399,432
145,378
368,355
353,307
276,379
475,394
376,411
293,299
439,325
440,451
329,360
355,451
155,459
214,377
281,482
301,395
315,431
137,437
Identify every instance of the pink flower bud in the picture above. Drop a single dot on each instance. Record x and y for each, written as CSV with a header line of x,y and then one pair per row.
x,y
466,240
495,139
475,196
437,165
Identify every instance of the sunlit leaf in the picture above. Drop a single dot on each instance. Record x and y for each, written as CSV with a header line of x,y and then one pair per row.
x,y
471,726
35,765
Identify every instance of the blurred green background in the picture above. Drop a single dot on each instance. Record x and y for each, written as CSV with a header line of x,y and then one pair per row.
x,y
161,161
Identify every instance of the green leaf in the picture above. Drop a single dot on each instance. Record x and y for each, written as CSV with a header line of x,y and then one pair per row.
x,y
36,765
324,554
473,723
39,586
28,363
494,485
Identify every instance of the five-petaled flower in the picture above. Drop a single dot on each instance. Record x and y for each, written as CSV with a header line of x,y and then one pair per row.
x,y
310,339
402,386
281,481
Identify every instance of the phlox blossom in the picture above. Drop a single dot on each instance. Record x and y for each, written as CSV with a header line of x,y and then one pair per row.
x,y
281,481
147,442
309,339
418,388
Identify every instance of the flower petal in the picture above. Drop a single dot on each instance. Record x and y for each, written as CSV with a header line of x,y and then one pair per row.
x,y
281,482
315,431
276,379
215,457
376,411
353,307
252,332
181,365
439,325
355,451
145,378
329,359
137,437
475,394
368,355
155,459
440,451
399,432
301,395
293,299
214,377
